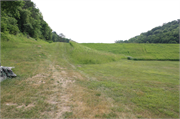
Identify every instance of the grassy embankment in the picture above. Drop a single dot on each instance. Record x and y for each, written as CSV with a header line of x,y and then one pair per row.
x,y
24,96
140,51
138,89
104,84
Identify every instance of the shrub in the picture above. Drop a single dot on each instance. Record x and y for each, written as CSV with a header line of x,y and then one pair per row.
x,y
71,44
173,42
129,58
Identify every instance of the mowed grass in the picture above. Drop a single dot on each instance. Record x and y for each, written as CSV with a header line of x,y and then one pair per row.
x,y
80,54
146,89
139,51
117,87
26,97
138,89
21,97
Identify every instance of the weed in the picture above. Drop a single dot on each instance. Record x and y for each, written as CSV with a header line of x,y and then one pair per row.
x,y
98,94
67,114
139,116
110,115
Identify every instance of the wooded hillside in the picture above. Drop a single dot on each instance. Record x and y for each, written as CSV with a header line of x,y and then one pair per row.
x,y
24,17
167,33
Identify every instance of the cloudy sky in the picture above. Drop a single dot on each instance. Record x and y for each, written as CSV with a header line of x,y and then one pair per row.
x,y
105,21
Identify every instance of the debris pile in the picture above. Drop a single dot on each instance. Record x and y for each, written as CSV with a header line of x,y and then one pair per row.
x,y
6,72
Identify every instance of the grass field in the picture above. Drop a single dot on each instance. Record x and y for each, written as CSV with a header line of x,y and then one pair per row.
x,y
139,51
70,80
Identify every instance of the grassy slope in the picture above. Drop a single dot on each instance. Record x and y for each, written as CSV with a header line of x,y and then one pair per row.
x,y
116,87
148,88
29,58
141,51
84,55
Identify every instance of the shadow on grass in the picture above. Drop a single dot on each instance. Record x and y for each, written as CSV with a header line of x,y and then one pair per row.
x,y
139,59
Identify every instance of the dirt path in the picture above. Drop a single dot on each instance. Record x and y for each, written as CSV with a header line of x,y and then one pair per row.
x,y
68,98
64,95
59,97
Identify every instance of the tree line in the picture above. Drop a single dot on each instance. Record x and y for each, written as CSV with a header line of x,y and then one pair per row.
x,y
167,33
23,17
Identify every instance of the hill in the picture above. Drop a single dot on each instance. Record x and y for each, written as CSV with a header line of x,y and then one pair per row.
x,y
167,33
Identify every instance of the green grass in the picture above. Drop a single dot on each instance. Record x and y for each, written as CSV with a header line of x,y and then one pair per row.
x,y
29,57
84,55
129,89
140,51
142,86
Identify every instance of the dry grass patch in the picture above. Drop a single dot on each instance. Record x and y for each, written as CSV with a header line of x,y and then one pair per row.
x,y
59,98
10,104
86,104
28,106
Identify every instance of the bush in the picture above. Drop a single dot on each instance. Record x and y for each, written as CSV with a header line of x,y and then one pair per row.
x,y
129,58
71,44
4,37
49,41
173,42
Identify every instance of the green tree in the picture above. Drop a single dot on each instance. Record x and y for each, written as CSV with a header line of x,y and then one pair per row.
x,y
161,34
9,13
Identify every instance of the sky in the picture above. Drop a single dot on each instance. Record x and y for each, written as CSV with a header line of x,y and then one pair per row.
x,y
105,21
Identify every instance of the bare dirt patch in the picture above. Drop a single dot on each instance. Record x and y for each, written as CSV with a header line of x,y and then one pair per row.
x,y
20,106
30,105
59,67
26,107
38,76
59,96
10,104
77,75
37,79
